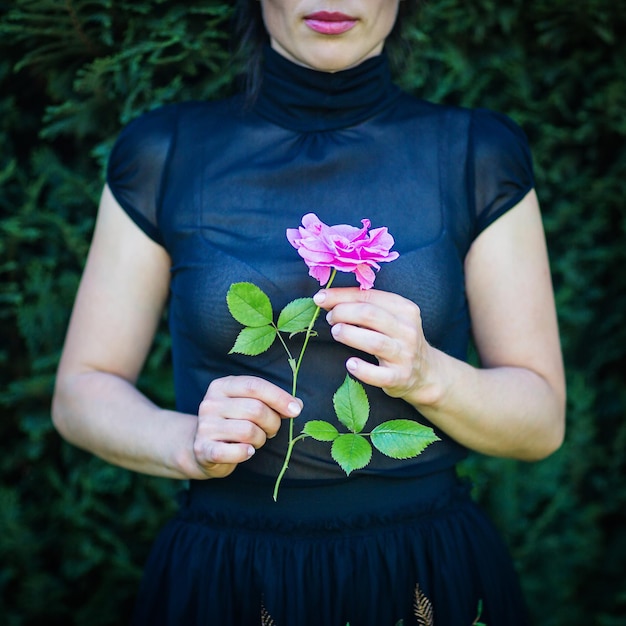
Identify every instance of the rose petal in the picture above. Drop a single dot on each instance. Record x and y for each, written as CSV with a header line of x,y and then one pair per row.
x,y
382,256
365,276
380,237
349,233
313,257
321,274
342,247
313,223
294,237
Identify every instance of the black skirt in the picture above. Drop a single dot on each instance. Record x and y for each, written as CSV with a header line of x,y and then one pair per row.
x,y
370,551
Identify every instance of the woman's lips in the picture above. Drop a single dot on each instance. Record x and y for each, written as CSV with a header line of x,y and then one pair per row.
x,y
329,23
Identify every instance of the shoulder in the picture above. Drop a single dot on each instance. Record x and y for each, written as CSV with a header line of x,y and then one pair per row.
x,y
484,127
415,106
442,124
140,151
485,150
157,128
494,135
147,137
499,150
491,139
500,165
139,161
145,142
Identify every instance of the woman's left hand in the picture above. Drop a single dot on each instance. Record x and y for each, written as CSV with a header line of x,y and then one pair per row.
x,y
386,326
513,405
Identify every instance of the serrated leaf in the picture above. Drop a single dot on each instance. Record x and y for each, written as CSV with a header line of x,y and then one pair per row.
x,y
351,405
320,430
249,305
297,315
402,439
351,451
253,341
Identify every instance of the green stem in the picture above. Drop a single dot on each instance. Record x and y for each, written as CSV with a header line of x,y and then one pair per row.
x,y
292,439
280,337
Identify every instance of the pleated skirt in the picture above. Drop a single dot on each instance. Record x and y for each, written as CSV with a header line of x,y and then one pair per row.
x,y
370,551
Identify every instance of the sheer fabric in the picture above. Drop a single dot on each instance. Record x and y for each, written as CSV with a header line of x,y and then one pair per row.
x,y
218,185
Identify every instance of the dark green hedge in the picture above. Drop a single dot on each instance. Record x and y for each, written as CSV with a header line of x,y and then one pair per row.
x,y
73,530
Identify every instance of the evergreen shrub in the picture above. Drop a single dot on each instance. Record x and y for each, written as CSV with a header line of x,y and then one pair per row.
x,y
74,531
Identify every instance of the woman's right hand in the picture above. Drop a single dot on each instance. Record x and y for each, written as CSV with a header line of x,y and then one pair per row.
x,y
97,405
236,417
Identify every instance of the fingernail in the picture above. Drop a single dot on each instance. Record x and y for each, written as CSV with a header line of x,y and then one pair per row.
x,y
351,364
335,330
294,409
251,451
319,297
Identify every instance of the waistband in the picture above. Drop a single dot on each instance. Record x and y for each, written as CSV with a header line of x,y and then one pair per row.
x,y
246,495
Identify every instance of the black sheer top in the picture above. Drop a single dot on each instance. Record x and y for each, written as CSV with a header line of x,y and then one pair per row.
x,y
218,183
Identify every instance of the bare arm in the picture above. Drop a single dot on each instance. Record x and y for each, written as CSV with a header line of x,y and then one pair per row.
x,y
96,405
514,404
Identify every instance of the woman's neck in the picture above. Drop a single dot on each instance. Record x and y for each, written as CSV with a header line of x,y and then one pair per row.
x,y
304,99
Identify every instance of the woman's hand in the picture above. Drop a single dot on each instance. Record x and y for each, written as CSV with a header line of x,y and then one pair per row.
x,y
97,405
513,404
236,417
386,326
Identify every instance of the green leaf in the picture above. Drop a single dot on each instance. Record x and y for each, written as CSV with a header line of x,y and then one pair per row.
x,y
402,439
320,430
351,405
249,305
253,341
352,452
297,315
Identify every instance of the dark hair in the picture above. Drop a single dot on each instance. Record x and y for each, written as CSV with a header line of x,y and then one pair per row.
x,y
251,36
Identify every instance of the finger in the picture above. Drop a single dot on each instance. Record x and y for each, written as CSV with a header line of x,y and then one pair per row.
x,y
209,453
375,343
371,374
237,420
266,392
364,315
236,430
248,411
329,298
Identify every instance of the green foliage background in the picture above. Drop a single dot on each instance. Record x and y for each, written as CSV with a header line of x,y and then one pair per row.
x,y
73,530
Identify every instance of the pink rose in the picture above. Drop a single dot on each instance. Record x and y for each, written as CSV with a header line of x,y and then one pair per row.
x,y
343,247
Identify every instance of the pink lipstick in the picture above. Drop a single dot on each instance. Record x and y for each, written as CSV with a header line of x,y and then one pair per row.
x,y
330,23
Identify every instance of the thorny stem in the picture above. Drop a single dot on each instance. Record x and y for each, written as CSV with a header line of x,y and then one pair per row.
x,y
296,369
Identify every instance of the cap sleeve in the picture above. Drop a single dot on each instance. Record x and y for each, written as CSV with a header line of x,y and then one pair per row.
x,y
502,166
137,164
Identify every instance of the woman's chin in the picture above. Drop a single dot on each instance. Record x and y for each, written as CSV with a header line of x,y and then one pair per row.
x,y
328,56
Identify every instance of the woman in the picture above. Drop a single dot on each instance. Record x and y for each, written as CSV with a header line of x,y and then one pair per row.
x,y
198,197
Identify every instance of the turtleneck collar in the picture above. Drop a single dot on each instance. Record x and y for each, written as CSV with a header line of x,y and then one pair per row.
x,y
304,99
